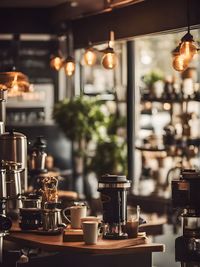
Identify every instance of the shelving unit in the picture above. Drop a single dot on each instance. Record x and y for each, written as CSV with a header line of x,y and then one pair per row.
x,y
176,146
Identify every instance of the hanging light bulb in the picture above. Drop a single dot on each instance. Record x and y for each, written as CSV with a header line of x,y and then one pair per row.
x,y
188,48
90,56
109,60
56,63
69,66
180,63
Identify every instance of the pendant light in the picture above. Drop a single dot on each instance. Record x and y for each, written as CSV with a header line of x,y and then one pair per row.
x,y
90,56
14,81
180,63
56,60
110,60
185,51
69,64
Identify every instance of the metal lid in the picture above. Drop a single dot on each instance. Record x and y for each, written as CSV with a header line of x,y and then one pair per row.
x,y
110,178
114,181
12,135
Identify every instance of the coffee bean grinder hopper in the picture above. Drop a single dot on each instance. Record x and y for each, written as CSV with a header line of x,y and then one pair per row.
x,y
186,196
113,189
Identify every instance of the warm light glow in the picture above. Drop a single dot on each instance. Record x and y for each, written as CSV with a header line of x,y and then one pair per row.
x,y
56,63
15,90
69,67
167,106
90,57
180,63
109,60
188,49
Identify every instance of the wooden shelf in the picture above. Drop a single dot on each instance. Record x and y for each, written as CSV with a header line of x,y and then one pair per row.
x,y
163,100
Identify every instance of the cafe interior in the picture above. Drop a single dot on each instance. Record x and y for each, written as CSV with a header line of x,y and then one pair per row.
x,y
100,133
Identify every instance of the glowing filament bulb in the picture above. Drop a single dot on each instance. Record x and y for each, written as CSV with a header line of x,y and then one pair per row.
x,y
188,49
109,60
69,66
180,63
90,57
56,63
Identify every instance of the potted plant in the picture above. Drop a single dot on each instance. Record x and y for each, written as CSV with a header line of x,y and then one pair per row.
x,y
79,118
153,81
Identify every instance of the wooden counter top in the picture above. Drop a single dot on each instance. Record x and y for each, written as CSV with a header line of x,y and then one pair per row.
x,y
55,243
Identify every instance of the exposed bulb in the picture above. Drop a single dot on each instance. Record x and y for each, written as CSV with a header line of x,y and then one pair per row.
x,y
90,57
56,63
109,60
180,63
69,66
188,49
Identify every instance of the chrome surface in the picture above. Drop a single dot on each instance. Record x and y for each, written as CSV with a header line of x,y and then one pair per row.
x,y
13,147
51,219
114,185
3,191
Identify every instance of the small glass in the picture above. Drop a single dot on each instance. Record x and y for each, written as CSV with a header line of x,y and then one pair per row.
x,y
133,223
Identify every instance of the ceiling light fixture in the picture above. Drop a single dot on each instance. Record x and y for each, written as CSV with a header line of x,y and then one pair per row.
x,y
110,60
56,60
185,51
90,56
15,82
69,64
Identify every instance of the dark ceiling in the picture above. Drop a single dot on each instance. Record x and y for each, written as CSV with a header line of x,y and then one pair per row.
x,y
71,8
91,20
31,3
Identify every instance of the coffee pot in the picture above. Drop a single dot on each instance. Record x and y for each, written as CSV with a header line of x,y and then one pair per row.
x,y
113,189
37,157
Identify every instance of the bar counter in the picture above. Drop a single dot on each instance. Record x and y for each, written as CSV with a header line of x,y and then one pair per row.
x,y
106,253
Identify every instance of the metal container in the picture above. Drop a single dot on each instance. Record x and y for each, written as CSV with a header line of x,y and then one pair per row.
x,y
3,191
113,189
3,97
51,219
37,156
13,179
13,147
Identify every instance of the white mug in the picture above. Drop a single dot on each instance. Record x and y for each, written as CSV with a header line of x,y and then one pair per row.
x,y
90,232
76,213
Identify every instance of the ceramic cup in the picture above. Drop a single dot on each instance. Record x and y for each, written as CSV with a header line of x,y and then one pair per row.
x,y
90,219
76,213
90,232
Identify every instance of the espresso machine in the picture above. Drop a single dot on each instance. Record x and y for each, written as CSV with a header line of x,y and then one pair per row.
x,y
186,196
13,170
113,189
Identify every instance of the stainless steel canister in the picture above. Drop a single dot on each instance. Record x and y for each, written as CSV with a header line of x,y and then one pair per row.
x,y
3,98
3,192
51,219
13,147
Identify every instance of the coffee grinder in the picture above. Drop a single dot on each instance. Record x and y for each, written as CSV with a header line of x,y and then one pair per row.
x,y
185,196
113,189
36,163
